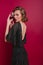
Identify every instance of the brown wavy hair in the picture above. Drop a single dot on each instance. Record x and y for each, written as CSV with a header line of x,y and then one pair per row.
x,y
23,13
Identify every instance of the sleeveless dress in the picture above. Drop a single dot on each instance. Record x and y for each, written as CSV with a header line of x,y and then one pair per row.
x,y
19,54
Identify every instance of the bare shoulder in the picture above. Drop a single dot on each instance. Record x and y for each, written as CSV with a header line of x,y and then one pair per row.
x,y
24,25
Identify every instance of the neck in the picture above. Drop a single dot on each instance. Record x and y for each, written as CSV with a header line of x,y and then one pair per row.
x,y
19,21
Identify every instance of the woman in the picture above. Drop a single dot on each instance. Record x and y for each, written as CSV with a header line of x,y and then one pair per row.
x,y
17,35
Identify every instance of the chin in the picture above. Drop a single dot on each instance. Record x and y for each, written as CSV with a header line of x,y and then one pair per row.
x,y
17,20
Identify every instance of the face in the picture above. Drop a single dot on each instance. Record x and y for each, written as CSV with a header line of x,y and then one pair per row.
x,y
17,15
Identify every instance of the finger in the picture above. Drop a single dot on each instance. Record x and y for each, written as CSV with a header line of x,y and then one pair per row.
x,y
9,14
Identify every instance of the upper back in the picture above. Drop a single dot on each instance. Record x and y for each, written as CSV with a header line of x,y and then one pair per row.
x,y
23,29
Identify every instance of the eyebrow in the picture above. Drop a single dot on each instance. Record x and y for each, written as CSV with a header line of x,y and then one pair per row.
x,y
16,14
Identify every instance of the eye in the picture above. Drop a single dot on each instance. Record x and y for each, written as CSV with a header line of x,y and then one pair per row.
x,y
17,14
14,14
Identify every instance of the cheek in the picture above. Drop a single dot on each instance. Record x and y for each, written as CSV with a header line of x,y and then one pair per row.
x,y
15,17
19,16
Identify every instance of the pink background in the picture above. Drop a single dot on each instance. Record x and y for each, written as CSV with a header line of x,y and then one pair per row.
x,y
34,43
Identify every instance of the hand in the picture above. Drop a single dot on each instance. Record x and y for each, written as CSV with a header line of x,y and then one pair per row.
x,y
11,24
9,20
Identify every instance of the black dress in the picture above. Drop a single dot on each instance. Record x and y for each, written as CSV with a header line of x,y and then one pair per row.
x,y
19,55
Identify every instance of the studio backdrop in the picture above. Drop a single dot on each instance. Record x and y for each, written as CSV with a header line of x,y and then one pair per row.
x,y
34,43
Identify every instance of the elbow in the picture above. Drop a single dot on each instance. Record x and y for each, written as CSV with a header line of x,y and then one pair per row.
x,y
5,39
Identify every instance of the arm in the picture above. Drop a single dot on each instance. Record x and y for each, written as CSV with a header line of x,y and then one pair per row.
x,y
6,32
7,27
11,36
